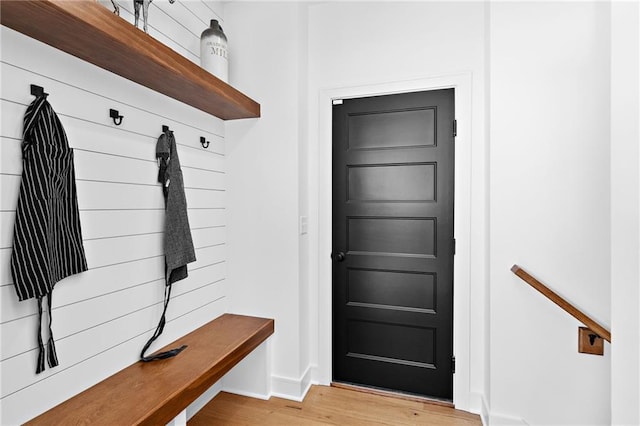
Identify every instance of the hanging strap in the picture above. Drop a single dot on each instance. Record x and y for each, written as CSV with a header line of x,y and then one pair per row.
x,y
40,367
52,357
158,332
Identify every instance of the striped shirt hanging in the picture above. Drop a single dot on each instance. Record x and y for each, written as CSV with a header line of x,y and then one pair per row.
x,y
47,240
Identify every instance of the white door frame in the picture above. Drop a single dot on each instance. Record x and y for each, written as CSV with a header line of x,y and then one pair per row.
x,y
462,219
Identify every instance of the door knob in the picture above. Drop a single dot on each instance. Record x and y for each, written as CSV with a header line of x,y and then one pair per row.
x,y
340,257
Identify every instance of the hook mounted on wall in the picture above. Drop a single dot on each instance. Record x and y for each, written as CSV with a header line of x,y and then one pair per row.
x,y
38,91
165,128
115,115
205,143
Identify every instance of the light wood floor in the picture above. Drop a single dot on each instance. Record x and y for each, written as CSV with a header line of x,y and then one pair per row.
x,y
328,406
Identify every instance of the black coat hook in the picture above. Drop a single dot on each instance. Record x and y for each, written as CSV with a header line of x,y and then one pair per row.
x,y
38,91
115,115
205,143
165,129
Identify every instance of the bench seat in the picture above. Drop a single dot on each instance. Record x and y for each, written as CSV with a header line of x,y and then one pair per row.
x,y
154,393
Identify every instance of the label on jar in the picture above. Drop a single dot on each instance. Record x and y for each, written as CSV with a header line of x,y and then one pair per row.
x,y
216,48
213,56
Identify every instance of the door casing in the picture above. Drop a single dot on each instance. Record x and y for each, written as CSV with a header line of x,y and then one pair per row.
x,y
462,222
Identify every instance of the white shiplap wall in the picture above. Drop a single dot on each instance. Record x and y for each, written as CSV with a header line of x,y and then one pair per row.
x,y
102,318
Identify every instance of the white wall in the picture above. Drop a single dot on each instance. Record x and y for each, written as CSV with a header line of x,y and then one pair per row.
x,y
102,318
267,48
550,208
625,213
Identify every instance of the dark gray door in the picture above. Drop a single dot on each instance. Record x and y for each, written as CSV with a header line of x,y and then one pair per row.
x,y
393,182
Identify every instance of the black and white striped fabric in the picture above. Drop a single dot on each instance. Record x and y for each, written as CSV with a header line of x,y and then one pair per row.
x,y
47,240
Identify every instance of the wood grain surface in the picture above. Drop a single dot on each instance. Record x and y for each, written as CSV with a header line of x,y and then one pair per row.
x,y
153,393
397,395
328,406
89,31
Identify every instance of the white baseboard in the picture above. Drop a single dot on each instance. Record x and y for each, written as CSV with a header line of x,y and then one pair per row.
x,y
320,377
497,419
246,393
294,389
478,405
484,412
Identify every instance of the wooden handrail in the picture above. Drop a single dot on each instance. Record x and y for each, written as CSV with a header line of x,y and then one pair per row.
x,y
558,300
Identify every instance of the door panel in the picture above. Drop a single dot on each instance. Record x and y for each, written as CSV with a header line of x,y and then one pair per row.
x,y
410,291
370,340
385,182
392,236
393,159
392,129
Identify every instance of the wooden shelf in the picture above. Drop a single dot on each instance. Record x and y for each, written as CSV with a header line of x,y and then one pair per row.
x,y
91,32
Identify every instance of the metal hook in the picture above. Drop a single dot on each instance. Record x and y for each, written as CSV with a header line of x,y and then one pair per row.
x,y
592,338
205,143
115,115
165,128
38,91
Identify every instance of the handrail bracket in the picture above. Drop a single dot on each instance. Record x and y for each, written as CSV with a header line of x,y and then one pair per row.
x,y
589,342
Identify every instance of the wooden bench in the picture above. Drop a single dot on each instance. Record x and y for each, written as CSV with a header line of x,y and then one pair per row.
x,y
154,393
